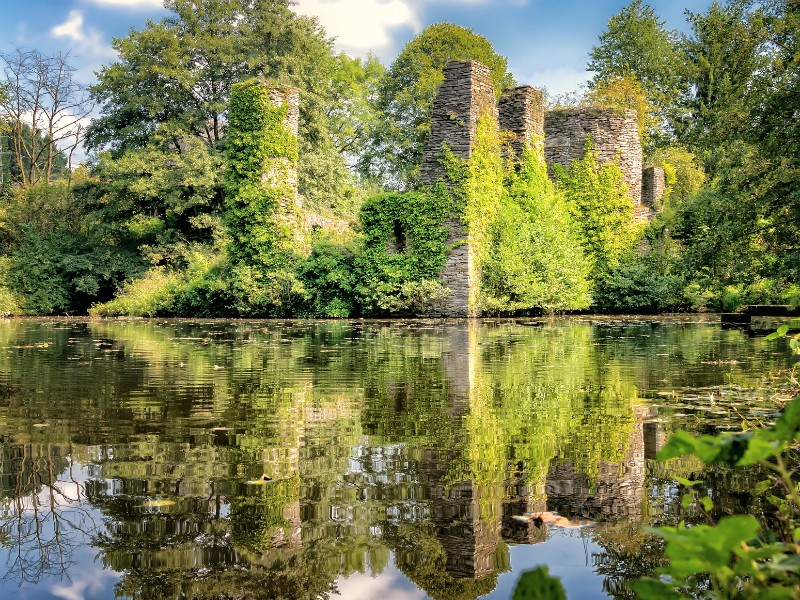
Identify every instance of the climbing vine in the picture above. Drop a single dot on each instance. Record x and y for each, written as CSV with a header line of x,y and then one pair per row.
x,y
598,200
260,209
535,257
261,157
404,249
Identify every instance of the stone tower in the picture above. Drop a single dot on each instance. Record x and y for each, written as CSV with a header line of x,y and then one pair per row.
x,y
466,95
615,136
521,117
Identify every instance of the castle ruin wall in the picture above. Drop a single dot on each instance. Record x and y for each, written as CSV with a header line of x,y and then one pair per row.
x,y
615,136
466,95
521,117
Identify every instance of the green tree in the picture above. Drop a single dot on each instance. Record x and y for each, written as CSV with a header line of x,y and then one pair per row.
x,y
173,80
636,45
599,202
406,93
722,53
535,258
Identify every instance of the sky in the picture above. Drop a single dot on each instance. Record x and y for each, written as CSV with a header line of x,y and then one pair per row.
x,y
546,41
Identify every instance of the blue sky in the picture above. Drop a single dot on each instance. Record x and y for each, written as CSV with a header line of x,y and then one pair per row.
x,y
546,41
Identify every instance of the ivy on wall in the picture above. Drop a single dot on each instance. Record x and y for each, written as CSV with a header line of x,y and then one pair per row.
x,y
404,249
261,212
601,208
259,199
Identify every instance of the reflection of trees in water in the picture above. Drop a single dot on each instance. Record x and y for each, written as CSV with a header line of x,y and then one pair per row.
x,y
376,437
42,519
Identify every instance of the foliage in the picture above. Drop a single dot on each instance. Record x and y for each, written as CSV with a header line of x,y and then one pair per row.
x,y
740,556
404,249
478,187
58,264
537,584
626,92
684,175
173,81
723,52
635,48
198,289
405,99
646,282
598,199
13,165
535,258
161,198
9,303
261,210
328,274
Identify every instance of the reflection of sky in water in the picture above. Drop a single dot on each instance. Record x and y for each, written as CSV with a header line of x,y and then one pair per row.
x,y
364,442
85,578
567,554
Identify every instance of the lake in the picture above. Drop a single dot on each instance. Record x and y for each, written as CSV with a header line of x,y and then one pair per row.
x,y
395,460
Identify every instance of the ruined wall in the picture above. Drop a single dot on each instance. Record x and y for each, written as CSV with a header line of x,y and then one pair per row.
x,y
466,94
282,172
618,490
521,116
654,184
615,136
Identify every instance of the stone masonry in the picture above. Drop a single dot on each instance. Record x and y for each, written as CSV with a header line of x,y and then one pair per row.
x,y
615,136
282,171
654,184
521,117
466,94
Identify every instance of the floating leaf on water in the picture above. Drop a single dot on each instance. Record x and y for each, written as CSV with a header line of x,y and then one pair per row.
x,y
264,479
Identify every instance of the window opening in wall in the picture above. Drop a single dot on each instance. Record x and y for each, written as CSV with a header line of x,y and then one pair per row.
x,y
398,242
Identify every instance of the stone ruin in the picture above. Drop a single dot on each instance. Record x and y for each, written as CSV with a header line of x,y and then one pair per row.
x,y
466,95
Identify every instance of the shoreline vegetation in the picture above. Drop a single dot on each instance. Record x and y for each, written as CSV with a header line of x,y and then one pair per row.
x,y
151,224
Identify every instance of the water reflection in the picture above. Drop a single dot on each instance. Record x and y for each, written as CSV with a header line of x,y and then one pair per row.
x,y
274,460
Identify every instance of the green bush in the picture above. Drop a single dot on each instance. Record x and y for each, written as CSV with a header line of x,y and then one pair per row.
x,y
404,241
535,258
328,275
601,208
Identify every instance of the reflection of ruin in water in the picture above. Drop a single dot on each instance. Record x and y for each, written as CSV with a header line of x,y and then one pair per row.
x,y
330,512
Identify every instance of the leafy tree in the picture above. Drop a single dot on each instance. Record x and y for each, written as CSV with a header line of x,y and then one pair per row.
x,y
173,80
740,235
599,202
406,93
535,258
165,198
636,46
56,263
723,52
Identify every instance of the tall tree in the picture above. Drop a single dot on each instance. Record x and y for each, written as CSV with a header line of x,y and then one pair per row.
x,y
173,79
637,47
44,107
405,98
723,51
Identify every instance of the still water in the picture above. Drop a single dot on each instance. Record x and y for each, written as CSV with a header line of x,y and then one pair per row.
x,y
358,460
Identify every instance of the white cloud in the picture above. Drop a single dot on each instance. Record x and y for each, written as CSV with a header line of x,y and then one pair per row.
x,y
72,28
389,586
135,4
86,40
360,24
83,585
